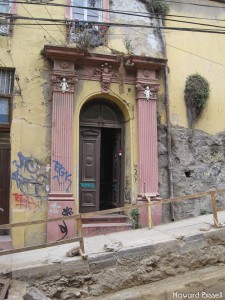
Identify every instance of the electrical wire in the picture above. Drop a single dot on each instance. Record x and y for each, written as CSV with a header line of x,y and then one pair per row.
x,y
165,28
137,14
189,3
110,24
56,24
40,25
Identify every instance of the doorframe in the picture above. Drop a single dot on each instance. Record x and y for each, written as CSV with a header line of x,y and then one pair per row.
x,y
93,125
6,231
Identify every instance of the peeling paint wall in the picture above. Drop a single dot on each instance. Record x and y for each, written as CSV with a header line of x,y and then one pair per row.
x,y
141,41
32,108
31,122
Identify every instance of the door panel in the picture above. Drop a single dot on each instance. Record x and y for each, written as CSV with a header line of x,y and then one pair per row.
x,y
4,185
116,170
90,169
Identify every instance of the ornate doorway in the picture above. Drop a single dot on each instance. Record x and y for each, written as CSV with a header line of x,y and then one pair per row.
x,y
101,156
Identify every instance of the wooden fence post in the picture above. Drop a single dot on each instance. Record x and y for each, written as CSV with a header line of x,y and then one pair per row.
x,y
214,208
79,229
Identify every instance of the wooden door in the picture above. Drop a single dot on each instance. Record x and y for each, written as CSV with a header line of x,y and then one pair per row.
x,y
4,185
116,176
90,140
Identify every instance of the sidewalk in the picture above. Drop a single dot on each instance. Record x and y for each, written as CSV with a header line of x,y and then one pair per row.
x,y
94,246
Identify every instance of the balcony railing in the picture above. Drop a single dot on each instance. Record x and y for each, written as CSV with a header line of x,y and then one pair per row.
x,y
86,34
6,25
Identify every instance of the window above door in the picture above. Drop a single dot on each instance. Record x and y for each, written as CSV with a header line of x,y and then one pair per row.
x,y
6,93
101,114
6,9
89,34
87,14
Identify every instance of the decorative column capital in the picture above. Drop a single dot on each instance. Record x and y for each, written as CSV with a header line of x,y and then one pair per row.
x,y
64,83
147,85
64,76
147,90
105,71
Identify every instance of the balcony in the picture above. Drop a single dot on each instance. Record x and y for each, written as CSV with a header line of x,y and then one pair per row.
x,y
87,35
6,25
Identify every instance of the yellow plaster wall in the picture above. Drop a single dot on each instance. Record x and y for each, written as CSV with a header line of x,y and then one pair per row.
x,y
191,52
31,115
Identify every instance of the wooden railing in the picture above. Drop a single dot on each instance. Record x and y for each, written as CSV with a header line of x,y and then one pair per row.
x,y
78,219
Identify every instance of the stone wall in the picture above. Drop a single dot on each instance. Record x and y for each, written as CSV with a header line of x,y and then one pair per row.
x,y
198,161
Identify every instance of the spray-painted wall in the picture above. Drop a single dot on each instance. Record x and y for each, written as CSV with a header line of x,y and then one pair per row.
x,y
32,107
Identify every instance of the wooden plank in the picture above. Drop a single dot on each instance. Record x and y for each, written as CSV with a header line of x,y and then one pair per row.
x,y
148,197
46,245
5,226
221,208
150,217
114,210
214,208
3,291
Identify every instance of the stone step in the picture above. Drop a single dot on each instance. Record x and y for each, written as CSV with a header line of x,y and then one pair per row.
x,y
104,228
5,242
106,219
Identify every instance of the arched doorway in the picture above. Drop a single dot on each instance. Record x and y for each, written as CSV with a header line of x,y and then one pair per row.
x,y
101,156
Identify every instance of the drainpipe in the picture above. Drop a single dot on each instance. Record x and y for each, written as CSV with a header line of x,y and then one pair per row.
x,y
168,123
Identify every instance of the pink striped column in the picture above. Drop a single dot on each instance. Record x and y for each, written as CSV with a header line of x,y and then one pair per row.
x,y
147,132
61,201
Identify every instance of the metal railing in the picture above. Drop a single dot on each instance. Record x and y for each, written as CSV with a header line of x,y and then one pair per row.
x,y
87,35
6,24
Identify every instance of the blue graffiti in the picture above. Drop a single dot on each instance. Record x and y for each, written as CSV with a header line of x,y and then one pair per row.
x,y
63,176
30,177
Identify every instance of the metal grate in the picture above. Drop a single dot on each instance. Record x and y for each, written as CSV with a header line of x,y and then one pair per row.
x,y
6,81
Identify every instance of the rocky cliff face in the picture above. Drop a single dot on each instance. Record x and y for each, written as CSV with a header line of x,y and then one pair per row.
x,y
198,162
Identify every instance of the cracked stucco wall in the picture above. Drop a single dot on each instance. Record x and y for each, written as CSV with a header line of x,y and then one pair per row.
x,y
31,121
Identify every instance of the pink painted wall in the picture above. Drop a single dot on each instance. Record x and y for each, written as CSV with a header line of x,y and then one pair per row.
x,y
60,230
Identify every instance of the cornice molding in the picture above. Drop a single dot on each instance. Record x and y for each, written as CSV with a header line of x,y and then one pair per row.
x,y
71,62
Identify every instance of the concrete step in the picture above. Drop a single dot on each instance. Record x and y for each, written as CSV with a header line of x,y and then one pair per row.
x,y
104,228
5,242
106,219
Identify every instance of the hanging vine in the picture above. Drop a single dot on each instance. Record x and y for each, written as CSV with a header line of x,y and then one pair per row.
x,y
157,7
121,75
196,94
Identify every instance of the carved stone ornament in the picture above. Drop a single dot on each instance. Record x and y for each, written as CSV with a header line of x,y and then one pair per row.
x,y
147,91
64,65
105,71
147,73
64,83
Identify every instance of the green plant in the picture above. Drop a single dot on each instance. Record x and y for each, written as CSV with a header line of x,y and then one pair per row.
x,y
128,46
196,94
135,217
160,7
157,6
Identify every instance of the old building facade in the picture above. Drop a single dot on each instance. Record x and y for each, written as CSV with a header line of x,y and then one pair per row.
x,y
83,106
